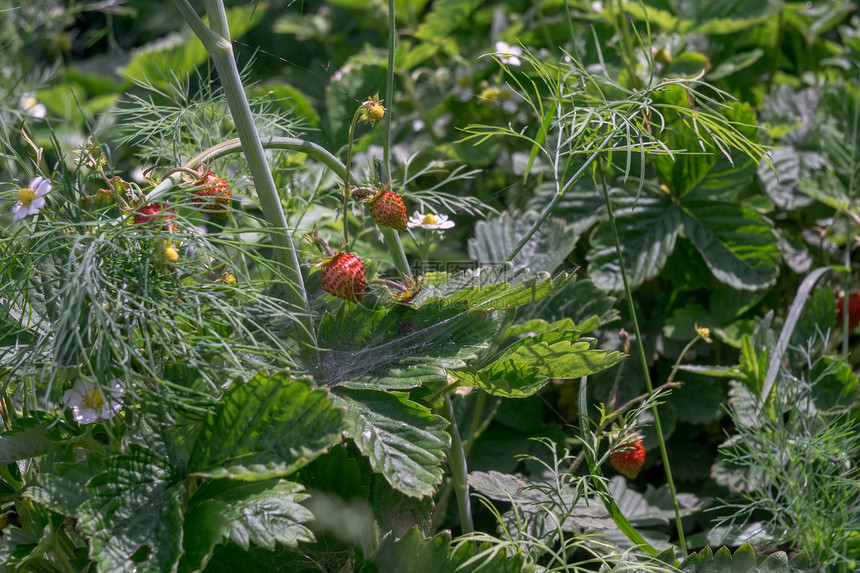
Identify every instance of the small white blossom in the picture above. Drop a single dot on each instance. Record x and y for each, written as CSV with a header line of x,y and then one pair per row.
x,y
509,55
89,403
31,106
597,6
429,221
463,84
31,199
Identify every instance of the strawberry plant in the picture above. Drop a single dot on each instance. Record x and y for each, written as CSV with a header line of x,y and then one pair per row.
x,y
581,309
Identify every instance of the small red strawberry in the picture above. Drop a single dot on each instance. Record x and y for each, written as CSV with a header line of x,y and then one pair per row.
x,y
853,311
628,458
154,214
388,210
343,276
212,195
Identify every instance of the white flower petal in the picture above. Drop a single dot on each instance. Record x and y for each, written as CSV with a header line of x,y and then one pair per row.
x,y
84,415
42,187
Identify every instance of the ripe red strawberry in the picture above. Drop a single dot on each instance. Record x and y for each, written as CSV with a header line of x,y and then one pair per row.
x,y
212,195
388,210
343,276
154,214
853,311
628,459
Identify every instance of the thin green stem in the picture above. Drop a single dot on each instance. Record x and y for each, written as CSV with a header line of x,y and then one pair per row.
x,y
389,92
644,364
459,470
347,190
544,215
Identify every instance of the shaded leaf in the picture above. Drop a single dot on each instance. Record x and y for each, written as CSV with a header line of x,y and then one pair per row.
x,y
134,505
404,440
267,427
547,249
737,244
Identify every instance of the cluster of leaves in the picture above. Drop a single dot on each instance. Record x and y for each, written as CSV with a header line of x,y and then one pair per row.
x,y
615,131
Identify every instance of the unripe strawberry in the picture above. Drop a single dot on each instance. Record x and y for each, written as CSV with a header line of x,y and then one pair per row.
x,y
628,459
212,195
343,276
155,214
853,311
388,210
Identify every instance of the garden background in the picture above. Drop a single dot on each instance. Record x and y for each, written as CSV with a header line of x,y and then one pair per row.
x,y
429,285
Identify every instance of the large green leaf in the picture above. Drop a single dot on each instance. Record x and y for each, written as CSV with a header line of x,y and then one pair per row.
x,y
267,427
180,53
28,438
704,16
578,300
548,248
489,289
445,17
134,509
647,229
738,244
404,440
399,347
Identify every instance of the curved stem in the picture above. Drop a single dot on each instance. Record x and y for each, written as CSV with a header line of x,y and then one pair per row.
x,y
221,51
658,427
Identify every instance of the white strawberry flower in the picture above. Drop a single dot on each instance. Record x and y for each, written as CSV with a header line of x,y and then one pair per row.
x,y
89,402
31,199
429,221
509,55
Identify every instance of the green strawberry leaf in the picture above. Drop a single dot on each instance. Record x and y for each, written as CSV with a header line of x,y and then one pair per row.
x,y
547,249
267,427
647,229
134,508
404,440
29,438
738,245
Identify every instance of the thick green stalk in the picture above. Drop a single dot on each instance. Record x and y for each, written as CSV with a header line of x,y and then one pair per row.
x,y
644,364
221,51
459,470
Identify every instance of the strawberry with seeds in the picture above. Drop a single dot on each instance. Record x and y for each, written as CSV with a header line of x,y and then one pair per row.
x,y
628,458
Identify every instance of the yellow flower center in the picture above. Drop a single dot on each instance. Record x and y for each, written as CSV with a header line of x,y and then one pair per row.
x,y
26,196
464,81
94,399
428,219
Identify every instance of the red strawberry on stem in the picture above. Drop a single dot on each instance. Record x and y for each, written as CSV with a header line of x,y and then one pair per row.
x,y
343,276
388,210
853,311
628,459
154,214
212,195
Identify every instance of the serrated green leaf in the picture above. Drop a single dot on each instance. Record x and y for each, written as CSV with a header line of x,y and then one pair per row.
x,y
560,356
547,249
180,53
63,489
204,525
504,379
267,427
490,289
134,504
647,229
28,439
578,300
738,245
404,441
443,19
261,513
